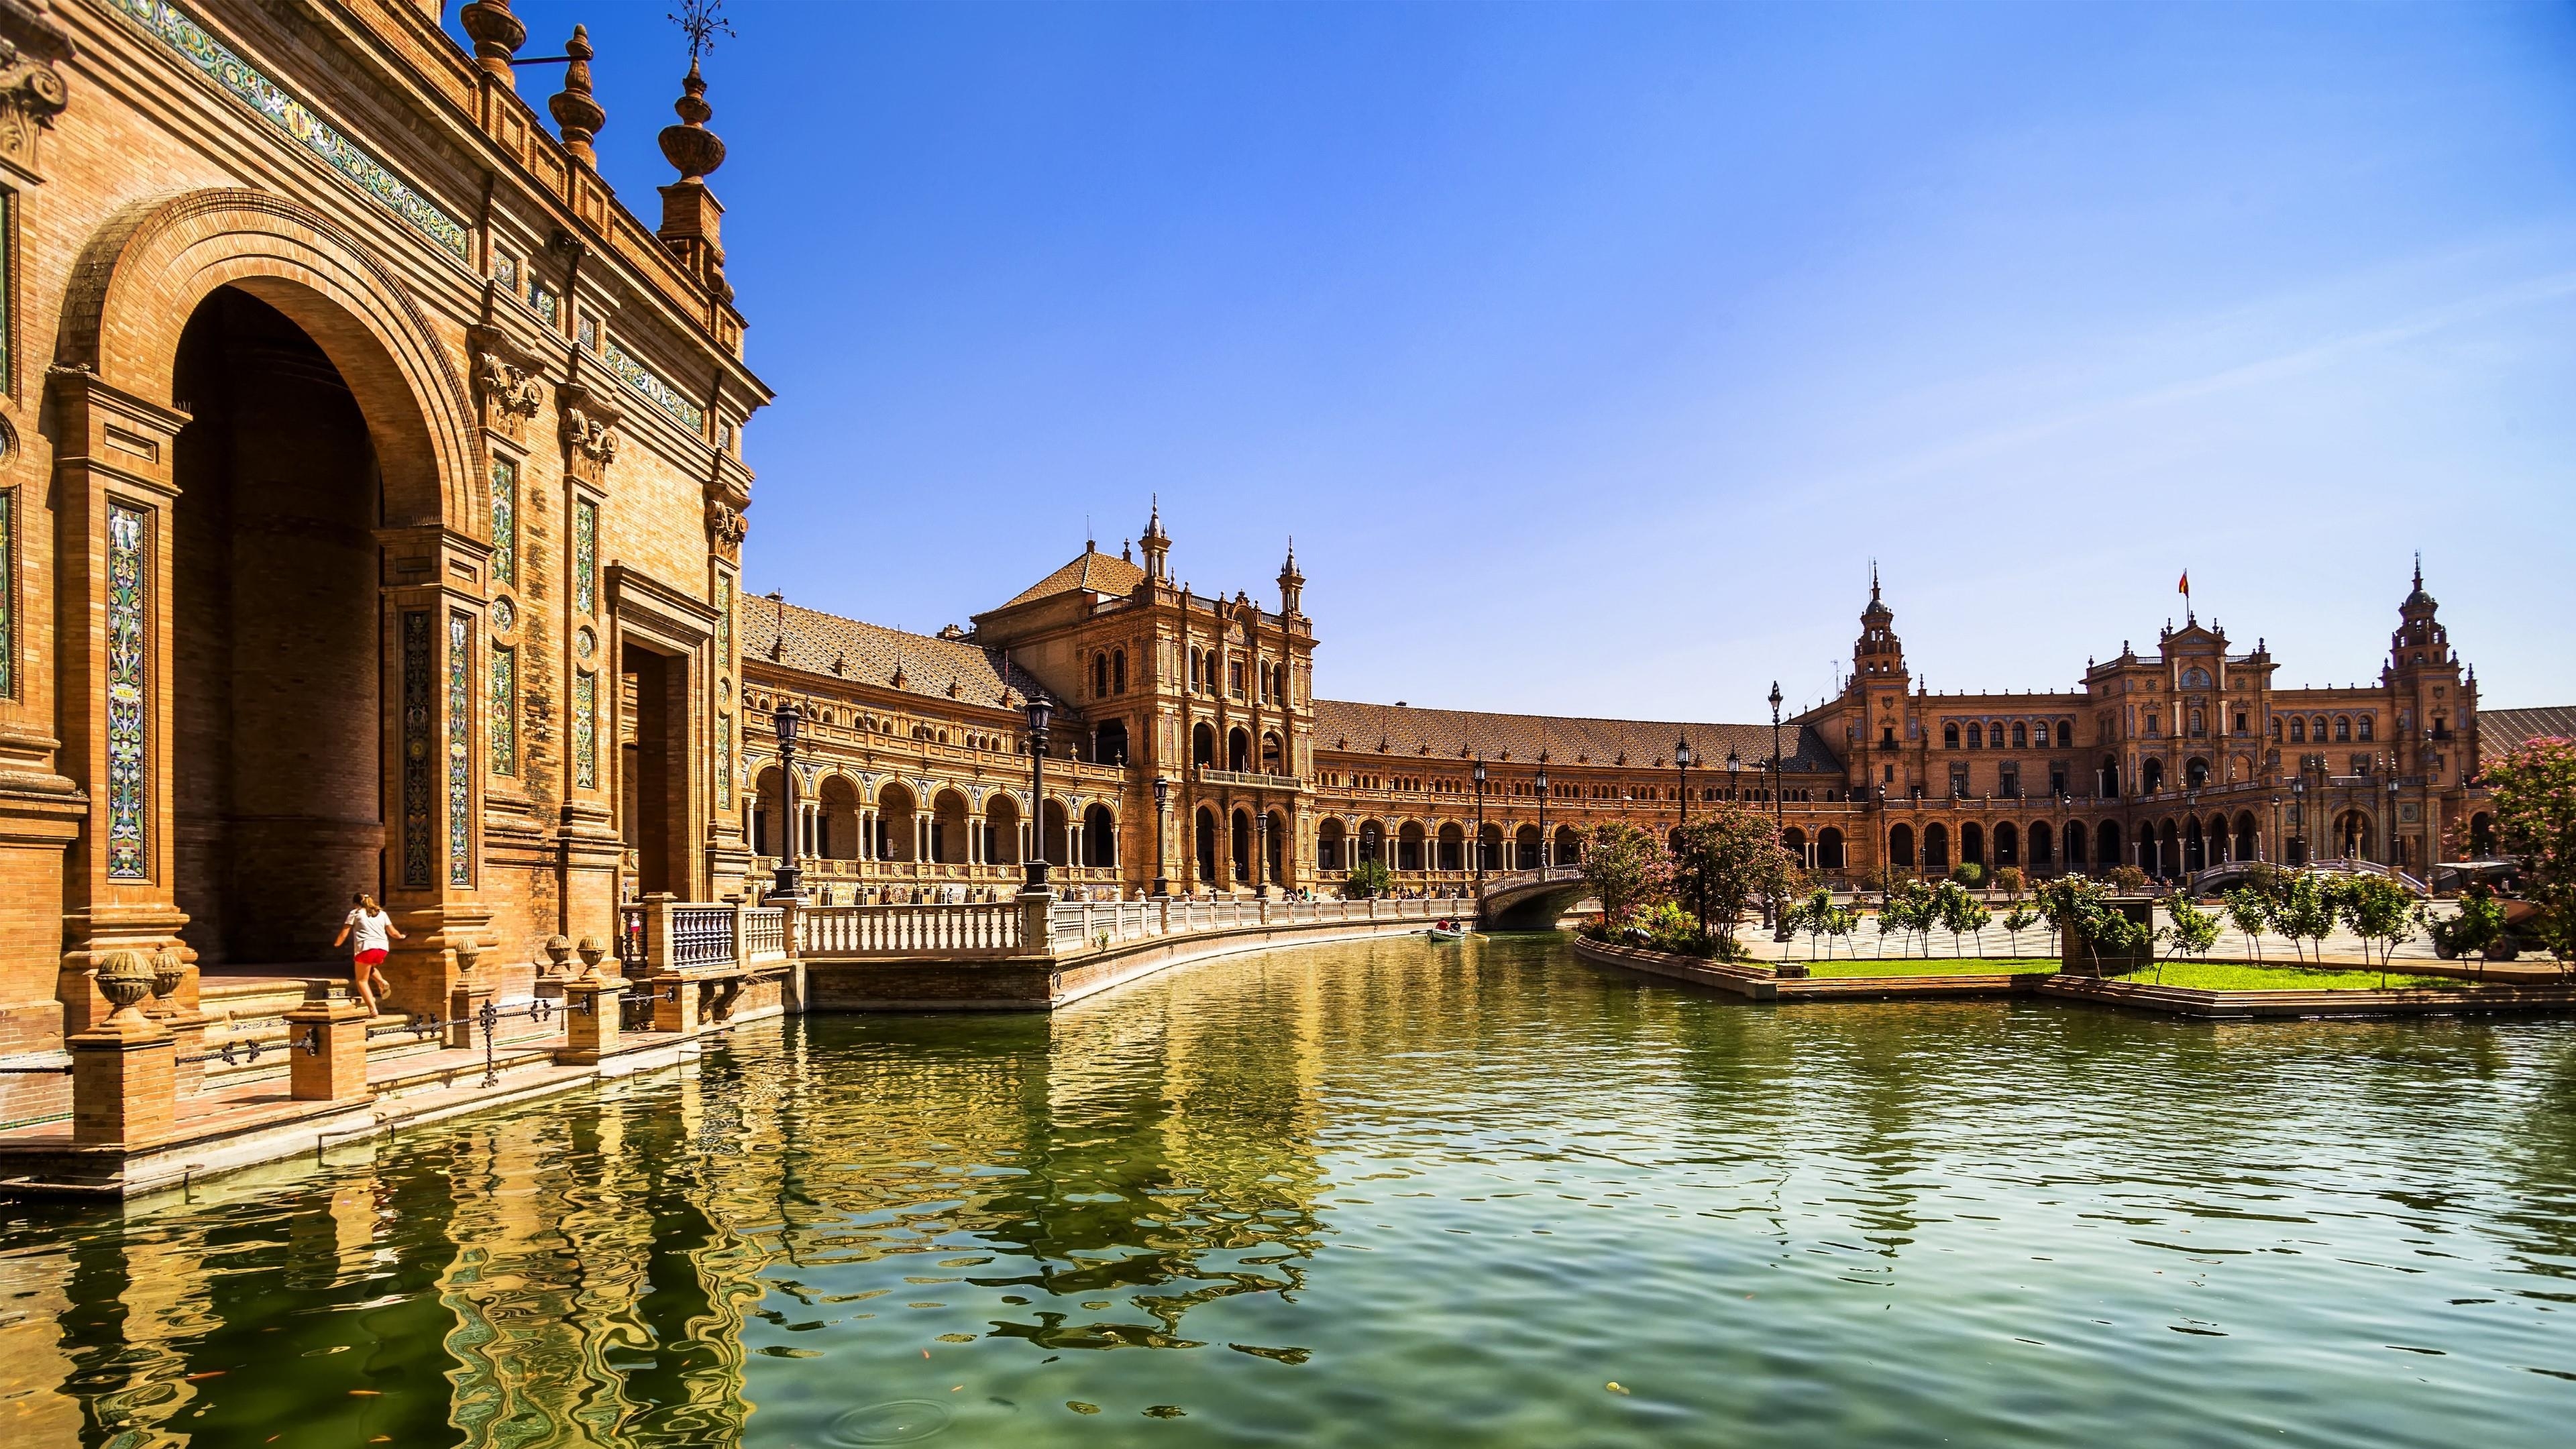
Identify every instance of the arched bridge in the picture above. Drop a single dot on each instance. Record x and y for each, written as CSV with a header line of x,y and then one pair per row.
x,y
1531,900
2220,877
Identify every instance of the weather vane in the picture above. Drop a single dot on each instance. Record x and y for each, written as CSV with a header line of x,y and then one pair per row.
x,y
702,21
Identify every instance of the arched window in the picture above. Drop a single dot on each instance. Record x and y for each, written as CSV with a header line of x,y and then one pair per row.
x,y
1099,676
2317,729
1203,745
1198,663
2196,726
2276,729
1900,847
2343,728
2021,735
2039,734
2196,772
2365,727
1949,736
1118,672
1976,737
2151,776
2298,731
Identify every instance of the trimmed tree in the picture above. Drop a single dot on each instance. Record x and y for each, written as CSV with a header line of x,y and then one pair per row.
x,y
2250,911
2534,792
1961,914
2305,911
2381,912
1627,871
2192,933
1723,862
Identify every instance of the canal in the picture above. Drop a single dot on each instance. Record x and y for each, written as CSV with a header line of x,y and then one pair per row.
x,y
1381,1193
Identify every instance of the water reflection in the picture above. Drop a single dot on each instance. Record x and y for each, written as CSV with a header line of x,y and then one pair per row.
x,y
1370,1194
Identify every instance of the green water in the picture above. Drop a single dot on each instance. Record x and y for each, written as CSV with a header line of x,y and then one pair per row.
x,y
1383,1194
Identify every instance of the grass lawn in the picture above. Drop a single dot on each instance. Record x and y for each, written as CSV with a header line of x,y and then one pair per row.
x,y
2285,978
1935,966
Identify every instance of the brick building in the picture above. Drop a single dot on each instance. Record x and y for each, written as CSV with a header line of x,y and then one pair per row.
x,y
1190,750
370,497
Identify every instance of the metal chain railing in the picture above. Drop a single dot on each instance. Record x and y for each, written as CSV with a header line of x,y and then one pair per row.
x,y
539,1011
233,1054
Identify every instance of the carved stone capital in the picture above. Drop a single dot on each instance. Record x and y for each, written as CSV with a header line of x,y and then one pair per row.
x,y
32,90
589,432
726,528
506,383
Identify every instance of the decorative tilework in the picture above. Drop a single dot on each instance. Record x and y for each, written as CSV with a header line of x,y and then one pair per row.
x,y
129,611
585,556
419,808
724,762
586,332
8,592
505,521
501,712
505,270
460,749
174,28
641,379
505,615
724,621
585,729
543,299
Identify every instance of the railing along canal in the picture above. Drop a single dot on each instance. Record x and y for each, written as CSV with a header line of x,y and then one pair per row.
x,y
975,930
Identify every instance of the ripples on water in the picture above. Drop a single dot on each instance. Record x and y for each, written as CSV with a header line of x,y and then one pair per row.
x,y
1383,1194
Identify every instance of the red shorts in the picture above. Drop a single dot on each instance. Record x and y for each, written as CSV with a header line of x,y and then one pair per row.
x,y
371,958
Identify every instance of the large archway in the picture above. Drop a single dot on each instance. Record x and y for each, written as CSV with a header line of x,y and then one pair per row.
x,y
277,805
231,777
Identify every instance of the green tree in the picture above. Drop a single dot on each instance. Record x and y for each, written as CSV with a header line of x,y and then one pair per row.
x,y
2250,911
1814,916
1846,919
1908,909
2012,883
1368,878
1627,871
2085,908
2017,920
2380,912
1723,862
2534,793
2305,911
2475,930
1960,913
2192,933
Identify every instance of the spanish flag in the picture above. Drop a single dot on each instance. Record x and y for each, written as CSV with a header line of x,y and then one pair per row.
x,y
2184,588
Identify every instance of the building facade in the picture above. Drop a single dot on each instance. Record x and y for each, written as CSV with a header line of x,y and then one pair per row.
x,y
370,497
1190,753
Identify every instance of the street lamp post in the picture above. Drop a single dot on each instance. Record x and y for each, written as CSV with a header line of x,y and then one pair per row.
x,y
1779,817
2299,817
1040,711
1479,773
1546,846
1261,855
1682,761
787,721
2388,830
1162,828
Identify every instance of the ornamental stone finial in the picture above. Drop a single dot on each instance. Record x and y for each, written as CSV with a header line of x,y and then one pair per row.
x,y
693,150
497,35
574,110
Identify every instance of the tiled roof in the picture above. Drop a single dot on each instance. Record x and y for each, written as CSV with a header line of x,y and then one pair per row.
x,y
827,644
1439,734
1091,569
2500,730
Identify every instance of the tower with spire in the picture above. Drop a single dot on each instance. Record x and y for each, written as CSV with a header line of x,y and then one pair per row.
x,y
1157,545
2436,702
1292,586
1878,653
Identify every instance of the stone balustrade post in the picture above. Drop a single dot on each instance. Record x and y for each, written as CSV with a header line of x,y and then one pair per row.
x,y
464,1000
742,932
1037,920
657,933
124,1071
593,1004
326,1051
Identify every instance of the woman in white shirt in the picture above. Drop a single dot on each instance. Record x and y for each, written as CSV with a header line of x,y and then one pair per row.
x,y
369,932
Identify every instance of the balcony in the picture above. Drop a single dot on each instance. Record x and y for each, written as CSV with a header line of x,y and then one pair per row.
x,y
1247,779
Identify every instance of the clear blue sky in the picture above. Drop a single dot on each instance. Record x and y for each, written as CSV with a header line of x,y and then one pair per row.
x,y
1590,351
